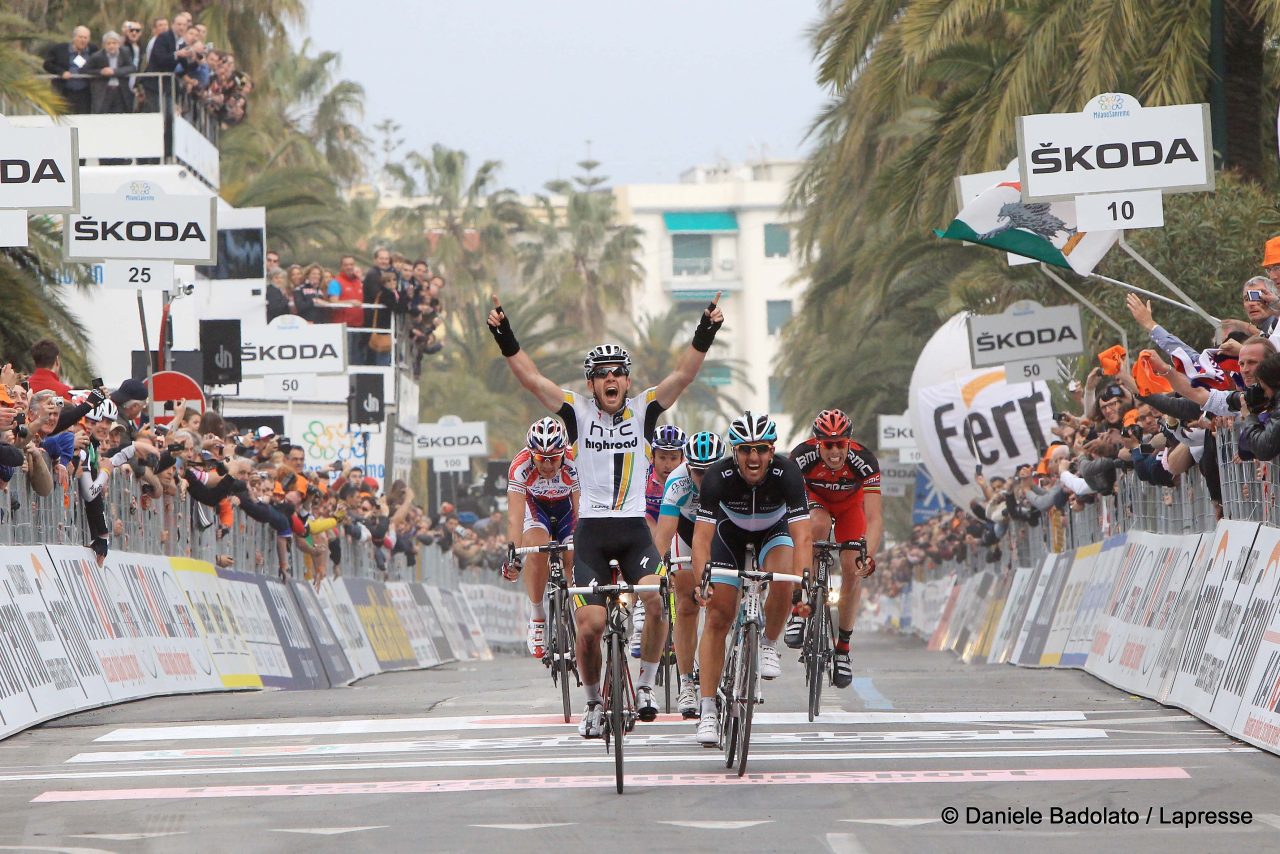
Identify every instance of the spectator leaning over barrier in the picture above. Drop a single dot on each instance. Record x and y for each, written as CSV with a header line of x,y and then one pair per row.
x,y
46,358
109,70
130,399
279,297
1271,267
133,52
159,26
1260,432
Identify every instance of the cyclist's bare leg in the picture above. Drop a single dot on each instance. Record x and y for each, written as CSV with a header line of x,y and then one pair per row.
x,y
721,611
778,604
821,520
850,590
590,620
536,566
686,631
654,639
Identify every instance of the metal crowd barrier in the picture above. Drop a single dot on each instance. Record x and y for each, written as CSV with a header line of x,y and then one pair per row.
x,y
1250,489
173,525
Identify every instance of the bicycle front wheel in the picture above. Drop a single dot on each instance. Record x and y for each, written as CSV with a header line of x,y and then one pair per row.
x,y
815,652
729,703
750,663
617,702
560,651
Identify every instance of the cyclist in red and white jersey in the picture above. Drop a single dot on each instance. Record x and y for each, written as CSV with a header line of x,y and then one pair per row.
x,y
843,480
542,505
613,431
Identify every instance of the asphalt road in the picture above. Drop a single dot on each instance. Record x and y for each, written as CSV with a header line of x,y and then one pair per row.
x,y
472,757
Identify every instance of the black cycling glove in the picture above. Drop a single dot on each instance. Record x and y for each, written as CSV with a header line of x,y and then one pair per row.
x,y
502,333
705,334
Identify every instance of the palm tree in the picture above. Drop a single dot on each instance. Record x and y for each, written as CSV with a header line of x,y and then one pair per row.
x,y
657,345
21,90
584,259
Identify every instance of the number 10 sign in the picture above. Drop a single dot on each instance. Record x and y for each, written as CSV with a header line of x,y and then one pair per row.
x,y
1109,211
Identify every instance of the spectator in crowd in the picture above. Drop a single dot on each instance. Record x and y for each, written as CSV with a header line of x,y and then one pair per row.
x,y
167,56
346,297
273,262
133,51
312,296
67,62
279,297
109,69
46,357
1260,432
159,26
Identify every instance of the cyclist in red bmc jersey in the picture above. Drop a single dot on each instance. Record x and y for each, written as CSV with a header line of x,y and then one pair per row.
x,y
843,481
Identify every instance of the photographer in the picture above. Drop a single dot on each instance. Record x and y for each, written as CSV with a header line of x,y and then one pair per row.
x,y
1260,432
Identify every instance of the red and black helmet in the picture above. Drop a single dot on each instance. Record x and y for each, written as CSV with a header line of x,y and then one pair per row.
x,y
832,424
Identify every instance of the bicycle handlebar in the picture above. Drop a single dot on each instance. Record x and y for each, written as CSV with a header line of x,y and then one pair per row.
x,y
680,561
614,588
859,545
546,548
755,575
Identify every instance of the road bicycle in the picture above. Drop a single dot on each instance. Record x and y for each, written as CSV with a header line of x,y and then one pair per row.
x,y
618,694
818,652
561,633
738,692
667,673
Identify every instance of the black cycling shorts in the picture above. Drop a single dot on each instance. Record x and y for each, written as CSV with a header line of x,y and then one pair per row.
x,y
597,541
729,546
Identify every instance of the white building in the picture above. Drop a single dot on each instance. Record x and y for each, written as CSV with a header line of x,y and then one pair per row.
x,y
722,228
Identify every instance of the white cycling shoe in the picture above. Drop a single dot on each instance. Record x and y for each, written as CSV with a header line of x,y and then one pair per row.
x,y
592,723
770,662
535,639
687,704
646,704
709,730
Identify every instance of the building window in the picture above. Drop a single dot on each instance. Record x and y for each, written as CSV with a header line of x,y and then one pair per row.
x,y
717,375
775,394
691,254
777,240
777,313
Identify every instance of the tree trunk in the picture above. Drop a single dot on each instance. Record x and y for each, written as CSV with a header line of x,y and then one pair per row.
x,y
1243,37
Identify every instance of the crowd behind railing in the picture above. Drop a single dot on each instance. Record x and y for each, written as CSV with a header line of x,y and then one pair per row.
x,y
176,65
393,310
1170,441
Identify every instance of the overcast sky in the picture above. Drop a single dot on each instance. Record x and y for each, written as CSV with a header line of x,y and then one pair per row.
x,y
657,86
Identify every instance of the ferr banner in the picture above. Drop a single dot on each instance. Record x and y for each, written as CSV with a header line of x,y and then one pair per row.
x,y
141,222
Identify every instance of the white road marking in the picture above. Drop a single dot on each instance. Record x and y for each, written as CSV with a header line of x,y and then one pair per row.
x,y
893,822
526,826
127,837
327,831
489,722
718,825
844,843
602,758
576,743
1268,818
55,848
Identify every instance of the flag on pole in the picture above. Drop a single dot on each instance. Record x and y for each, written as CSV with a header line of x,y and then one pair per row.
x,y
1045,231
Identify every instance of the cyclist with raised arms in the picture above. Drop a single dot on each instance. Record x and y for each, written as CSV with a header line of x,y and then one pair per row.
x,y
843,481
758,498
674,535
542,505
668,453
613,433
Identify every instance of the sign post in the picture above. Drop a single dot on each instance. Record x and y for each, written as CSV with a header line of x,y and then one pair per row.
x,y
1026,338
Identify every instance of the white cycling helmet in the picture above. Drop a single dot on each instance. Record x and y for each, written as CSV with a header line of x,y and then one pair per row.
x,y
605,354
105,411
752,427
546,436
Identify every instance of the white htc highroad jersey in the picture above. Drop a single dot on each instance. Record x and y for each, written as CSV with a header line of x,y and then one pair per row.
x,y
613,452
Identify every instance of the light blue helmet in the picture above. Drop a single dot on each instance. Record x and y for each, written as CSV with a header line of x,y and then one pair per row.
x,y
752,427
703,449
668,437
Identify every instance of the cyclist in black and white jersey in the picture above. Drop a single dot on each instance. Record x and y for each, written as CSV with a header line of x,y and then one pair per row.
x,y
613,432
751,498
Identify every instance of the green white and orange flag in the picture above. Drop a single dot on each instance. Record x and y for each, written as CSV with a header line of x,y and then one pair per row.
x,y
1045,231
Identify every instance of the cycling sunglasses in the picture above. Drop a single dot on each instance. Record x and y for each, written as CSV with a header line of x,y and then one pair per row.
x,y
548,458
760,448
615,371
828,444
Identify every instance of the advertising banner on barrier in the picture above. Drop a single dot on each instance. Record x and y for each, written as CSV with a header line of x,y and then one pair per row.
x,y
1258,718
1141,609
218,622
246,601
1040,618
1043,574
166,621
299,650
1227,589
332,658
416,621
442,629
1082,567
933,601
381,623
982,626
454,618
1012,614
336,606
1093,598
1169,651
970,610
937,640
502,614
47,669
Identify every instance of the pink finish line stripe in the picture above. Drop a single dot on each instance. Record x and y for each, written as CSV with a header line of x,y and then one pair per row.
x,y
405,787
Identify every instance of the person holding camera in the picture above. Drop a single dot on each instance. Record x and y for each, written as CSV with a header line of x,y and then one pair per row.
x,y
1260,432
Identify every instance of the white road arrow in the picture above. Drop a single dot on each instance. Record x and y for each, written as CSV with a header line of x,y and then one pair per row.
x,y
525,826
892,822
327,831
717,825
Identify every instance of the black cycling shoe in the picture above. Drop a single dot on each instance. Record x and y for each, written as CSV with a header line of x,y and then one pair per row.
x,y
842,670
794,634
